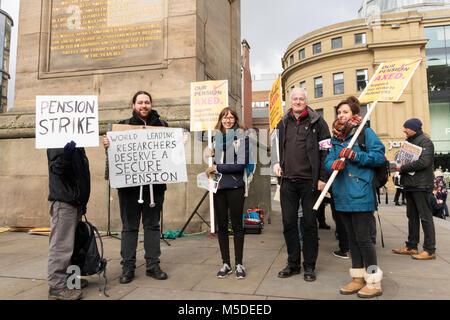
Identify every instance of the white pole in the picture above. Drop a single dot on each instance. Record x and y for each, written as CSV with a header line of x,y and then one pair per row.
x,y
211,199
140,195
350,145
152,199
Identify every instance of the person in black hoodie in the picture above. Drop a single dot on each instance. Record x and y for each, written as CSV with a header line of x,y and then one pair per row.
x,y
69,191
131,211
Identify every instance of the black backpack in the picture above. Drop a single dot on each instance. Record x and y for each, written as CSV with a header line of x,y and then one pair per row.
x,y
381,173
85,252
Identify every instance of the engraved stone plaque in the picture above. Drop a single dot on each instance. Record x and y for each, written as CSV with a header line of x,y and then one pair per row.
x,y
101,34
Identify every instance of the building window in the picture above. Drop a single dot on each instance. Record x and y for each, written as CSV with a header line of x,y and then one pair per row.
x,y
363,110
360,38
260,104
303,85
362,79
318,87
317,48
291,60
336,43
338,83
301,54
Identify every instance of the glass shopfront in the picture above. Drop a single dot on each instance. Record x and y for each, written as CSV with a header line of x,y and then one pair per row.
x,y
438,74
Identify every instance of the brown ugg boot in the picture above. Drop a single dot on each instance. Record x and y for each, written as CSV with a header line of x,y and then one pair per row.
x,y
356,284
373,285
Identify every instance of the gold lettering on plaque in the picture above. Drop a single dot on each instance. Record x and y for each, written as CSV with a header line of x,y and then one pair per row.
x,y
104,29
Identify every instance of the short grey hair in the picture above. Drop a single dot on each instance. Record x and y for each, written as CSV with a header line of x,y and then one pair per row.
x,y
296,89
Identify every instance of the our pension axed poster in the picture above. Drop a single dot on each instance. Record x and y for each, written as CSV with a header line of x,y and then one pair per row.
x,y
146,156
60,119
208,98
391,78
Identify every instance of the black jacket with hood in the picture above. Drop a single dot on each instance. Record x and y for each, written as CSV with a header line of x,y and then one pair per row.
x,y
69,180
423,177
153,120
318,131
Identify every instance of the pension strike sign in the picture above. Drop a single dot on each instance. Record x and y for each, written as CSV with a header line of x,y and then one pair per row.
x,y
60,119
208,98
146,156
388,83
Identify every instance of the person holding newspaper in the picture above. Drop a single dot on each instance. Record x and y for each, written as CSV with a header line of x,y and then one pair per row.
x,y
354,196
417,178
231,155
131,211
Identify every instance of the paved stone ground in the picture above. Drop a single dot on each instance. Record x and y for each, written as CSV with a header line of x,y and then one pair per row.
x,y
192,264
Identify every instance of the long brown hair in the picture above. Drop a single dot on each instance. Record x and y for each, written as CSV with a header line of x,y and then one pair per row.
x,y
222,114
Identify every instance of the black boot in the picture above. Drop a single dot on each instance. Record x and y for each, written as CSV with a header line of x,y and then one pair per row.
x,y
154,271
127,276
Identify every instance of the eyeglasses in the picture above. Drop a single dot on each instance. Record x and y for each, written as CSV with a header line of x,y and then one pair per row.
x,y
227,118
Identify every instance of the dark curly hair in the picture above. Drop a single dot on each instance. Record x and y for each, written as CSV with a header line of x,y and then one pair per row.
x,y
139,93
352,102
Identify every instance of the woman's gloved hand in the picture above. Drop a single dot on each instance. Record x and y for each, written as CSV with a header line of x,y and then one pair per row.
x,y
338,165
348,153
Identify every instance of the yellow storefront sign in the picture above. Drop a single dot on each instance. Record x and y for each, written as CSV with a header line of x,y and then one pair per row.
x,y
208,98
275,105
391,78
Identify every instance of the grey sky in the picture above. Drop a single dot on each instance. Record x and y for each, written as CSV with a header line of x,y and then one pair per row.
x,y
269,26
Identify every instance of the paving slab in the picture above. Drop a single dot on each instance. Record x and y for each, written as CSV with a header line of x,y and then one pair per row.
x,y
192,264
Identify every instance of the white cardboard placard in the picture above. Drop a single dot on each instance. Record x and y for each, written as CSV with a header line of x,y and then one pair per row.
x,y
142,157
60,119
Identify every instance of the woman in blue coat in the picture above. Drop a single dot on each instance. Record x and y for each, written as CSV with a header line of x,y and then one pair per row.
x,y
231,155
354,195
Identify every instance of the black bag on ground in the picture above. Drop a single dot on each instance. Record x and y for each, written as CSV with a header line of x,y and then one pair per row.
x,y
85,252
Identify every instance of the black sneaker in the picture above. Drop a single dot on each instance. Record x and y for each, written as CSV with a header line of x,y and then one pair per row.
x,y
226,270
340,254
64,294
154,271
240,271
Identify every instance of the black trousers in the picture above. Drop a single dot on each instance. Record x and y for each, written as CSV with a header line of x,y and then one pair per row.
x,y
291,191
131,212
398,192
230,201
418,210
340,229
359,228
